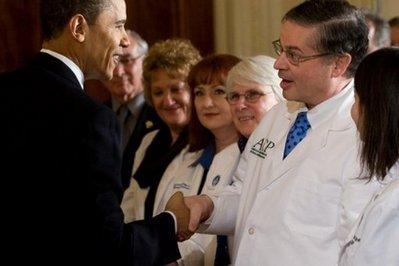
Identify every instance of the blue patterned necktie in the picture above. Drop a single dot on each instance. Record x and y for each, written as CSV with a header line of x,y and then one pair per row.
x,y
297,133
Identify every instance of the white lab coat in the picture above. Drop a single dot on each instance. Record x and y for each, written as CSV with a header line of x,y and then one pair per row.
x,y
296,211
134,197
182,175
374,239
200,248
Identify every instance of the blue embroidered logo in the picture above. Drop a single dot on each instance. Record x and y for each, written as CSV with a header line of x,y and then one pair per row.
x,y
181,185
215,180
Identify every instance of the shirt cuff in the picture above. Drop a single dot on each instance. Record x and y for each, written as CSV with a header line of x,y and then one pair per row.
x,y
174,218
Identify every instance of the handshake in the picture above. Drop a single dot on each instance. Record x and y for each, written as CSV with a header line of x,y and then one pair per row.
x,y
189,213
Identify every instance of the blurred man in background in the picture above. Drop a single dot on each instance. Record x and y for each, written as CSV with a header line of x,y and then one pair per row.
x,y
136,117
379,32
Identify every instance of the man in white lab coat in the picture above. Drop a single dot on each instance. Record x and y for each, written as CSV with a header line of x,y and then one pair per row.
x,y
295,195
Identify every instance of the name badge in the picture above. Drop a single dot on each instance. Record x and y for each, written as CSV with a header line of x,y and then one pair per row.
x,y
181,186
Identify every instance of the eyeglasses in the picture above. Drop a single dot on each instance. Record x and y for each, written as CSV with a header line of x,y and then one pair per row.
x,y
128,59
292,56
250,96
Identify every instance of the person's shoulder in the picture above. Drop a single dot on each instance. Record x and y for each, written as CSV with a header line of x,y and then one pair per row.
x,y
391,192
40,79
185,159
71,99
232,150
9,81
19,77
229,154
189,157
385,202
11,75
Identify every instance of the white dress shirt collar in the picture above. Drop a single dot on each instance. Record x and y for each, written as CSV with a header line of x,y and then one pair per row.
x,y
323,111
74,68
134,105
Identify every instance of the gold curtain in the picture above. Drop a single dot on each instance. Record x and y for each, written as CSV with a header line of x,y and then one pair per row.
x,y
247,27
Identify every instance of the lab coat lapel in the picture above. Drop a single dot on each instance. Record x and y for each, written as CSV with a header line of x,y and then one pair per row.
x,y
314,141
223,167
274,157
182,161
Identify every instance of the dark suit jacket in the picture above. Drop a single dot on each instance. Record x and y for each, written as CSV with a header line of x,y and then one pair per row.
x,y
147,114
61,177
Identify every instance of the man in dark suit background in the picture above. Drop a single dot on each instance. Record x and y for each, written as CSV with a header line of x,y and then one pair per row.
x,y
61,151
126,87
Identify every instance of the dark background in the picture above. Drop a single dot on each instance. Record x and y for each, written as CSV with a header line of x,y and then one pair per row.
x,y
154,20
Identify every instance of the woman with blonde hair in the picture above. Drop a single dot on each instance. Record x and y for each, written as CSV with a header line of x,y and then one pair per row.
x,y
165,71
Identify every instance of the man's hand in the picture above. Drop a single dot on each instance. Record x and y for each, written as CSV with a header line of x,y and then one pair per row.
x,y
182,213
201,208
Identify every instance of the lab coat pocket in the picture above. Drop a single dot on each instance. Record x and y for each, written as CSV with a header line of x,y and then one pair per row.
x,y
312,204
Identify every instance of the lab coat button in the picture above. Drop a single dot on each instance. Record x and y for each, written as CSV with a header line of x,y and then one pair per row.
x,y
251,230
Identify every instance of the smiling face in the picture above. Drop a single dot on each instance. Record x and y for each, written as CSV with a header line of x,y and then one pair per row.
x,y
170,97
310,81
105,40
211,107
247,115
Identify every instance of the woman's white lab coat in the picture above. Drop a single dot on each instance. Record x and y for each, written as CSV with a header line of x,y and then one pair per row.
x,y
374,239
182,175
134,197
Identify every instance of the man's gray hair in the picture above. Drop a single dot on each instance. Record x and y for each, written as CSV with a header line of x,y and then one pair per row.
x,y
382,34
142,45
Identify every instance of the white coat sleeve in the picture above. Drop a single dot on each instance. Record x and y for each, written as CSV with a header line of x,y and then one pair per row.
x,y
380,238
379,235
193,250
355,196
226,203
128,203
